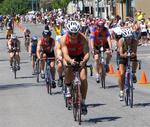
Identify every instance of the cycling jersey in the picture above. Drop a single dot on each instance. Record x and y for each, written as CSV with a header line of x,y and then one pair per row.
x,y
33,48
75,49
47,46
100,38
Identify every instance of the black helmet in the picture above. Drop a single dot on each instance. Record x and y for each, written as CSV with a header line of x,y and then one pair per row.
x,y
46,33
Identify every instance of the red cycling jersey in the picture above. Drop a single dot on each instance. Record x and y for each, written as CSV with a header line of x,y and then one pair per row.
x,y
47,46
76,48
100,38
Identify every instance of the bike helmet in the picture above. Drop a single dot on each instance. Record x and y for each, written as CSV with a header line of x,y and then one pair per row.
x,y
13,36
46,33
126,32
73,26
100,22
34,38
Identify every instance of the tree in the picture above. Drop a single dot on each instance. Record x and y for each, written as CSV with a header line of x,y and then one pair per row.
x,y
15,6
60,4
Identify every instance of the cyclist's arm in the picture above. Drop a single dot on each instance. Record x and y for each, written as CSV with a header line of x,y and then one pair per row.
x,y
86,50
30,48
91,40
109,40
38,49
120,47
9,44
65,50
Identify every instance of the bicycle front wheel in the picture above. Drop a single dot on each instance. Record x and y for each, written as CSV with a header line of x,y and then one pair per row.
x,y
15,69
131,91
102,76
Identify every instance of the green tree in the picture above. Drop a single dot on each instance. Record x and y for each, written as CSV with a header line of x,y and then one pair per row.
x,y
14,6
60,4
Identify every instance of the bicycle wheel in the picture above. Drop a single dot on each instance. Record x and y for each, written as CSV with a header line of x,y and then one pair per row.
x,y
79,104
127,93
50,88
131,91
126,97
75,103
15,69
38,70
102,76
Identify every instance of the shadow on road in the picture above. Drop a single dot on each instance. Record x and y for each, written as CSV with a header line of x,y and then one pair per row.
x,y
141,105
24,77
94,105
102,119
4,60
20,85
112,86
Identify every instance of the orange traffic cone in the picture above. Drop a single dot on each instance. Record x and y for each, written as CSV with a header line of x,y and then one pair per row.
x,y
143,78
111,69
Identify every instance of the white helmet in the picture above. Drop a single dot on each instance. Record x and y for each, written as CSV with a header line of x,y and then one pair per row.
x,y
73,26
126,32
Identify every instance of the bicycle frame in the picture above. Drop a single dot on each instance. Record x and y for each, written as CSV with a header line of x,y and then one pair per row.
x,y
77,99
103,69
48,76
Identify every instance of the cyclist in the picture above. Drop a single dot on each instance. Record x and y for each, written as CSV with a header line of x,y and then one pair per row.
x,y
126,41
75,49
59,63
60,58
9,27
45,49
14,44
32,50
27,35
100,36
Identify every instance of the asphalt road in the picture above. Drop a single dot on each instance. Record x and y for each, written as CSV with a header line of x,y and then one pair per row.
x,y
25,103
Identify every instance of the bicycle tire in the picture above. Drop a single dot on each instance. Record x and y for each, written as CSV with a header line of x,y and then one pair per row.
x,y
38,71
102,75
131,91
15,70
79,105
127,89
75,106
50,89
126,97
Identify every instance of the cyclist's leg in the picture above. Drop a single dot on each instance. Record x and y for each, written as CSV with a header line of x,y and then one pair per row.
x,y
11,54
60,67
17,57
42,65
97,67
84,87
122,63
134,68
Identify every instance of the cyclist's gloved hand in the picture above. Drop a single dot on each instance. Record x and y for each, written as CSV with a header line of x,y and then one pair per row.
x,y
73,62
82,63
133,54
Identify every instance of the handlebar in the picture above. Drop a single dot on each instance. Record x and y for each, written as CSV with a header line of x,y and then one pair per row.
x,y
77,67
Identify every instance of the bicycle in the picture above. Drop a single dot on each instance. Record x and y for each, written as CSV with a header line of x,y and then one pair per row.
x,y
48,75
103,66
129,80
27,42
76,93
14,63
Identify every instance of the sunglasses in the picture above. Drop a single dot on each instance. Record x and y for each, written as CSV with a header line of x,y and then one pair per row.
x,y
71,34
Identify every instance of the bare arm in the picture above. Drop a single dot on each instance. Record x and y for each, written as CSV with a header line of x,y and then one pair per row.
x,y
120,47
38,49
65,50
85,50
